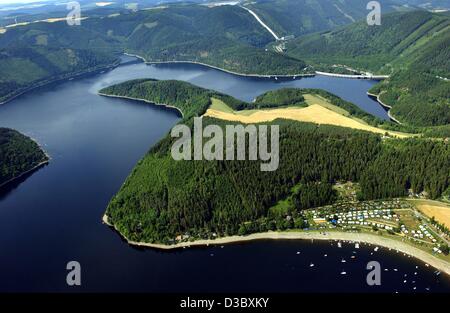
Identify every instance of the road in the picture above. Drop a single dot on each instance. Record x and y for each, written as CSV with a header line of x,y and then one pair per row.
x,y
262,23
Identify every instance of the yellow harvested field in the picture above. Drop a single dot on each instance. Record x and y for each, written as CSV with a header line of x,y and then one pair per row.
x,y
439,210
314,113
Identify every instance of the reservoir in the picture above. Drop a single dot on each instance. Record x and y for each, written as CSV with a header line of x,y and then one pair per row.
x,y
53,216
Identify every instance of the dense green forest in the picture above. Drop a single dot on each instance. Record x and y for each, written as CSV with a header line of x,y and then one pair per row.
x,y
163,198
40,52
18,154
189,99
226,36
296,17
412,47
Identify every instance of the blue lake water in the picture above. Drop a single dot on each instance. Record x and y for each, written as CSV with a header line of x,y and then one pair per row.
x,y
53,216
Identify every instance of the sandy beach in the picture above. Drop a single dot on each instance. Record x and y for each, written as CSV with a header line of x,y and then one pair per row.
x,y
376,240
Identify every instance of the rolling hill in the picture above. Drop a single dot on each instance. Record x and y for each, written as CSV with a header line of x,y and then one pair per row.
x,y
300,17
412,47
224,36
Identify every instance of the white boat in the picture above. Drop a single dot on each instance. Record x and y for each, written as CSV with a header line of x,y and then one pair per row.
x,y
311,265
298,252
375,249
343,273
357,245
343,261
339,244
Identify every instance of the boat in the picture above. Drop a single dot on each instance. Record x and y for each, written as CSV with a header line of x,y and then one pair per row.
x,y
311,265
298,252
343,273
339,244
343,261
375,249
357,245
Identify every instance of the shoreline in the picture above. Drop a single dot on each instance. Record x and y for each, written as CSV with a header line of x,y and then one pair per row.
x,y
143,100
369,77
222,69
387,107
58,79
389,243
37,166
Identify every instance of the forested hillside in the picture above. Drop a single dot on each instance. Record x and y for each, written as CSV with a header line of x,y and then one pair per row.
x,y
163,198
18,154
225,36
412,47
300,17
189,99
40,52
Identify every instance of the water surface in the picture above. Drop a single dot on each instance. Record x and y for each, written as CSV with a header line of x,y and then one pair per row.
x,y
53,216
